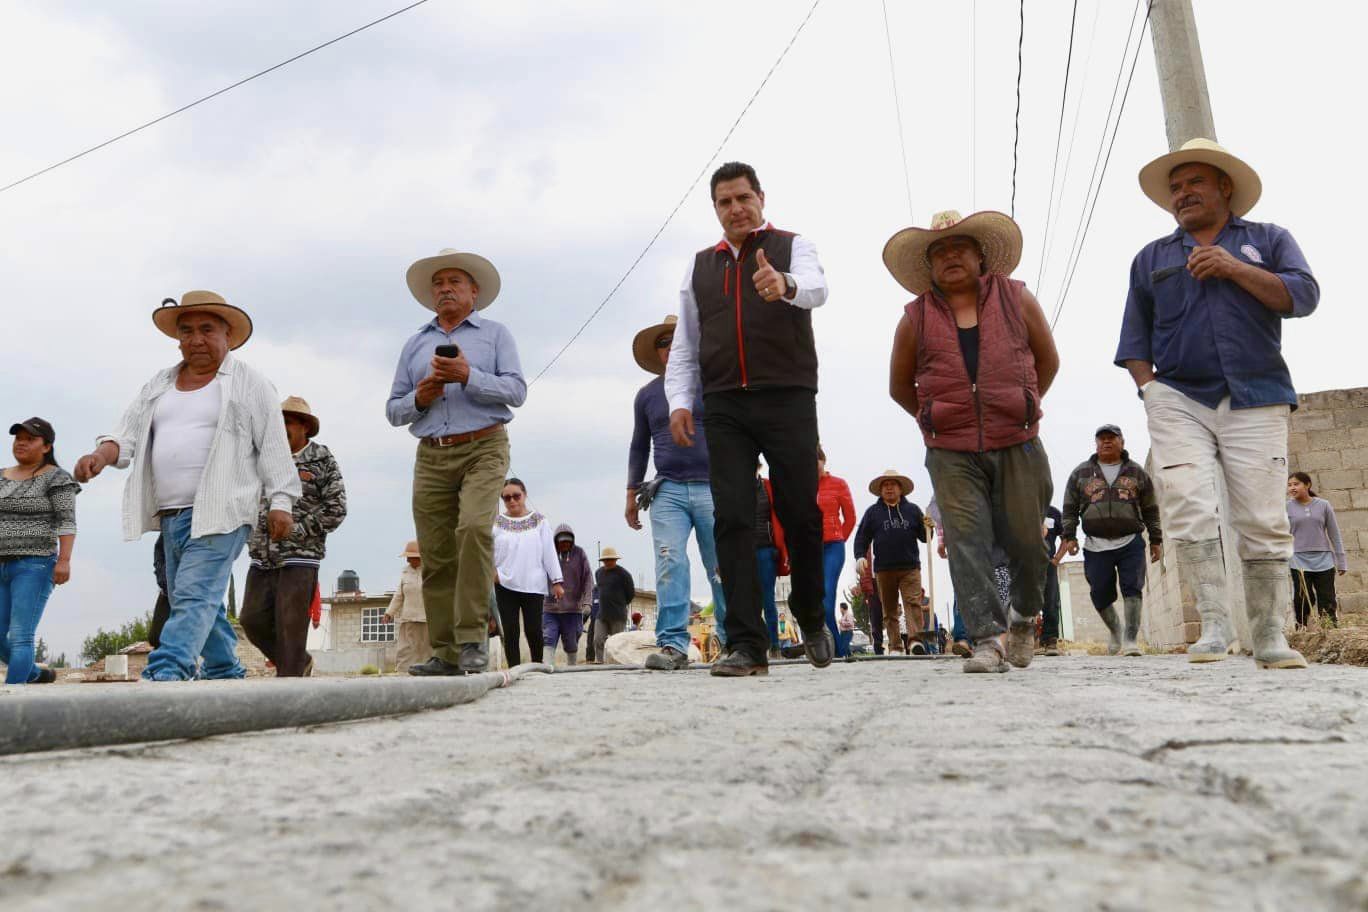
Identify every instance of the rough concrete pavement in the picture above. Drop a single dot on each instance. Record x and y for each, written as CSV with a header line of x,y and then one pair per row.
x,y
1079,783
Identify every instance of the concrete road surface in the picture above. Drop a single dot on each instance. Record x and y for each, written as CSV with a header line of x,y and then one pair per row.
x,y
1080,783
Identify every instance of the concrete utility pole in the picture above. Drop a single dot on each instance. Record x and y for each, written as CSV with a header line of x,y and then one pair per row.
x,y
1182,79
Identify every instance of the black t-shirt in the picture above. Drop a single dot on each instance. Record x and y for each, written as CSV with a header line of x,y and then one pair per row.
x,y
969,345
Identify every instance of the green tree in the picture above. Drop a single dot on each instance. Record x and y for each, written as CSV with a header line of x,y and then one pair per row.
x,y
60,661
40,652
109,642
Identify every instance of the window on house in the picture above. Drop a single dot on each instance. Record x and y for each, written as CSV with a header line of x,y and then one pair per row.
x,y
374,630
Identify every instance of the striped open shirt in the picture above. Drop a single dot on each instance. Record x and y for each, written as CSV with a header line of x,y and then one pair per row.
x,y
249,451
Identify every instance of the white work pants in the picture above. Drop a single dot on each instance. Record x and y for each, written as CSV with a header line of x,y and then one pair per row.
x,y
1191,443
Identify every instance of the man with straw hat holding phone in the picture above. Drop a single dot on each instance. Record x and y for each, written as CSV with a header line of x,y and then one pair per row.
x,y
206,441
456,385
283,578
972,357
1202,338
679,500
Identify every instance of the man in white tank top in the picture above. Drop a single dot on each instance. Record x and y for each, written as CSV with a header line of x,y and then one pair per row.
x,y
207,438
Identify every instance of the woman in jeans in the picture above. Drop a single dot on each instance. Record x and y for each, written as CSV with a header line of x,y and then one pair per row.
x,y
1317,550
838,522
37,532
525,561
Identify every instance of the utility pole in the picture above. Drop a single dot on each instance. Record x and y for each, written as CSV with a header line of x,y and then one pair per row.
x,y
1182,78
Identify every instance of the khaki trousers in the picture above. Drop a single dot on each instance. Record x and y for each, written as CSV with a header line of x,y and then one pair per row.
x,y
414,648
895,583
455,501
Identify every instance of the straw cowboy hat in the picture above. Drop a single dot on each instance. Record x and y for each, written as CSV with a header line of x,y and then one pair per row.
x,y
411,550
891,475
609,554
300,409
643,346
239,324
997,235
420,275
1154,177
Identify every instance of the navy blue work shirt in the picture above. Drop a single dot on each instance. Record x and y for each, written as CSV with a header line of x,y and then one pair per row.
x,y
1212,339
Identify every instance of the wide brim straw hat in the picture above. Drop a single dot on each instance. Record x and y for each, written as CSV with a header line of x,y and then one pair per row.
x,y
891,475
996,233
609,554
643,346
1246,189
419,276
411,550
239,324
300,409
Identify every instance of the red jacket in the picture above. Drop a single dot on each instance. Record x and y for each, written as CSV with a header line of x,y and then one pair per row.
x,y
1000,410
776,530
838,509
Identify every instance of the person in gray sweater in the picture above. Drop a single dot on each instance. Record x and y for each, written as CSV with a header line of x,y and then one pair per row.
x,y
1317,551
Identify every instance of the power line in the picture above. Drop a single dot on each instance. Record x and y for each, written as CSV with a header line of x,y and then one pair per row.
x,y
973,105
1071,259
1068,154
692,184
1016,128
212,95
1059,135
897,108
1134,59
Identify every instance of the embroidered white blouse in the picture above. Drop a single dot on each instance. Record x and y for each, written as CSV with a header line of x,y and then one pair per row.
x,y
525,554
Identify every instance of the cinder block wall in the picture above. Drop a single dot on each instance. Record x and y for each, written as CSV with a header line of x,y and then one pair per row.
x,y
1328,440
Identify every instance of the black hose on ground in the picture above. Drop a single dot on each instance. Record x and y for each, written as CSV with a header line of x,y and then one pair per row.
x,y
64,718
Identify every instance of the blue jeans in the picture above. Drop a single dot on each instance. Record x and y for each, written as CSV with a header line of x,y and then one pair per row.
x,y
679,507
1104,569
197,571
767,568
25,584
833,559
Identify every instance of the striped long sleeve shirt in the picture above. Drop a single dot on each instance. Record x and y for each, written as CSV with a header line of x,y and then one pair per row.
x,y
249,454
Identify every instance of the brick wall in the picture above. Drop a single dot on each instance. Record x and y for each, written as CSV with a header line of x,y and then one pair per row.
x,y
1328,440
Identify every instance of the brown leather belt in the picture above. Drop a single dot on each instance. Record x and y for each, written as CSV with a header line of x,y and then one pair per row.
x,y
469,437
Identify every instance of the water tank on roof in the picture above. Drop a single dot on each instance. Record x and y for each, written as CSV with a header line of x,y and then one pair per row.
x,y
348,581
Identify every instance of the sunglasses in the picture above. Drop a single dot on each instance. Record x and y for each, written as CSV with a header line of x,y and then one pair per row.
x,y
664,342
509,498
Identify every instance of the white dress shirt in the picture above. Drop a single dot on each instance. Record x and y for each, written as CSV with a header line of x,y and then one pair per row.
x,y
249,452
681,372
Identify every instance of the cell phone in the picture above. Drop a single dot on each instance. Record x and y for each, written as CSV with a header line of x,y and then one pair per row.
x,y
448,351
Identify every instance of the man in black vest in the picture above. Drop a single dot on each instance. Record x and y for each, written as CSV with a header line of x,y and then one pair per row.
x,y
745,334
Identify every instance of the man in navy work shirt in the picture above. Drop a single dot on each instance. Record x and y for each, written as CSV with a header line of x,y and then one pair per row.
x,y
1201,337
682,501
457,404
745,335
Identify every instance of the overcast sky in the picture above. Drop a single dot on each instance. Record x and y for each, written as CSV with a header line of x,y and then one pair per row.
x,y
554,139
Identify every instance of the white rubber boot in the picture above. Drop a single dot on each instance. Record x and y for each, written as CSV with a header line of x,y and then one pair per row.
x,y
1201,568
1265,585
1129,646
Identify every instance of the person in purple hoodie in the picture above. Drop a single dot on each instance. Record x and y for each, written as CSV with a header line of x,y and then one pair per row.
x,y
563,617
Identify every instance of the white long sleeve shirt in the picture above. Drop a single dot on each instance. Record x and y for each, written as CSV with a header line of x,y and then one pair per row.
x,y
525,553
249,452
681,372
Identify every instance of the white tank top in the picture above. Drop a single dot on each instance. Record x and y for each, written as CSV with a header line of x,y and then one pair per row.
x,y
183,426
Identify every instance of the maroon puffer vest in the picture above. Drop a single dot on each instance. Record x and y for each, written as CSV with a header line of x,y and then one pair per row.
x,y
1001,409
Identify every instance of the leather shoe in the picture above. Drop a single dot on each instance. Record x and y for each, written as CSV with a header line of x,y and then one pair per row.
x,y
668,659
739,665
474,657
820,647
434,667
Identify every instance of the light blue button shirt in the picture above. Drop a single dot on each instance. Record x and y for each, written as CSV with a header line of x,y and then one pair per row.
x,y
495,387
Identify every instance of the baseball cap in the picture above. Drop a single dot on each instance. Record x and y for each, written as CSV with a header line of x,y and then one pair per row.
x,y
38,427
1108,429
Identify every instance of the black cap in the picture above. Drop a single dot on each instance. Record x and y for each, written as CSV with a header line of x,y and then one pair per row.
x,y
38,427
1109,429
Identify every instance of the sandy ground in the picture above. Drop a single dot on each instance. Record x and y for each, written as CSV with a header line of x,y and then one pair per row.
x,y
1080,783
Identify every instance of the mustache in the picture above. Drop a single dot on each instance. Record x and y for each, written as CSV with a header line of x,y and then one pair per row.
x,y
1188,200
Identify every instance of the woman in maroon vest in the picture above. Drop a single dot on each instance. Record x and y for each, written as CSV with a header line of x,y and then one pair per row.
x,y
971,359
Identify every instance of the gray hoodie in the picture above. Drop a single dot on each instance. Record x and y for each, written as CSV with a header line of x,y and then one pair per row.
x,y
575,576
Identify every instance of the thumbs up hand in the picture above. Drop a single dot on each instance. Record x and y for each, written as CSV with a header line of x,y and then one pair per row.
x,y
769,282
